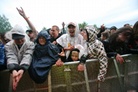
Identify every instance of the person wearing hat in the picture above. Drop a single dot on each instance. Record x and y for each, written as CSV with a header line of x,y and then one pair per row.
x,y
30,34
72,38
113,29
18,54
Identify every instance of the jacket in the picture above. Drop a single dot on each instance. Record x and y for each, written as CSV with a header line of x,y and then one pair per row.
x,y
44,57
19,58
96,49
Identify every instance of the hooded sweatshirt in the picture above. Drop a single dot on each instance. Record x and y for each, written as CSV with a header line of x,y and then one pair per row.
x,y
18,58
95,49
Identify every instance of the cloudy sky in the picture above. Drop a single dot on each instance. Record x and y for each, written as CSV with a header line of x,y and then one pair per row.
x,y
45,13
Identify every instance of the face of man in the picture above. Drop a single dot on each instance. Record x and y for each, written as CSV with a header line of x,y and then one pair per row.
x,y
19,41
71,30
54,32
30,34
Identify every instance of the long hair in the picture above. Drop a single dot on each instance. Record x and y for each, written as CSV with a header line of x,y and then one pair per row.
x,y
127,31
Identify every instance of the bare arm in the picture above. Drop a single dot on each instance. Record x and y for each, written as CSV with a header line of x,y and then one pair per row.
x,y
22,13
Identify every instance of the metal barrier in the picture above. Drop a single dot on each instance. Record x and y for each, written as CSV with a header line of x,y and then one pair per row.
x,y
119,78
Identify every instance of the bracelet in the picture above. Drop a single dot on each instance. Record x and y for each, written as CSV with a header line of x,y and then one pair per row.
x,y
26,18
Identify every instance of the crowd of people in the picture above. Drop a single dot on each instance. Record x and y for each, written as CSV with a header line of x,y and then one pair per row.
x,y
38,51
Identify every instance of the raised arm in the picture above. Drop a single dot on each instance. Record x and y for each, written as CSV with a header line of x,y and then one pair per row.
x,y
22,13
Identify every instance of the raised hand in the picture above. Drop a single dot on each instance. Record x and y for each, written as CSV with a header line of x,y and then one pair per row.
x,y
21,12
62,53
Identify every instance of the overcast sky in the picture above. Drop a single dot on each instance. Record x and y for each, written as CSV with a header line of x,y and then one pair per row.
x,y
45,13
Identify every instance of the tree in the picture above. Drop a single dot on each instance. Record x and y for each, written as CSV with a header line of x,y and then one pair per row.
x,y
82,25
4,24
95,26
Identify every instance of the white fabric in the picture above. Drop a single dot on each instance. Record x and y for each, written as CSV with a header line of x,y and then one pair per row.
x,y
65,40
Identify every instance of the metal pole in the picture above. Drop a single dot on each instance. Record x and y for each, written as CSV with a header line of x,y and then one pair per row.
x,y
49,82
118,75
86,79
98,86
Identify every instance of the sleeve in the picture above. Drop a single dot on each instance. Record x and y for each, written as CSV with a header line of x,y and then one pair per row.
x,y
12,61
83,58
103,60
110,52
61,40
27,57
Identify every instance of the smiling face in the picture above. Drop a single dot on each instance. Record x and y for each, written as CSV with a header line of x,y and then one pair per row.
x,y
84,34
71,30
42,40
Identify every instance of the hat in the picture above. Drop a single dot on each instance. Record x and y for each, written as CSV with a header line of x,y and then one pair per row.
x,y
17,36
113,28
28,31
17,32
72,24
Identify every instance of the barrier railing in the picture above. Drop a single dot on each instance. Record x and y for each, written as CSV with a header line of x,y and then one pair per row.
x,y
119,78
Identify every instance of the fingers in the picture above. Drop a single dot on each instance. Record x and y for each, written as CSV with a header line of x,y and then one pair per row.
x,y
17,9
63,50
119,59
62,53
59,63
14,85
80,67
21,8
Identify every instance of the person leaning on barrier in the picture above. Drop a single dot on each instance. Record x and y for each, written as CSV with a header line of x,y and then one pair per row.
x,y
45,55
117,44
18,54
69,40
95,49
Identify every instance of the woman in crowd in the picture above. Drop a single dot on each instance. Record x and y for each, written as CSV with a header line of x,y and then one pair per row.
x,y
95,49
44,56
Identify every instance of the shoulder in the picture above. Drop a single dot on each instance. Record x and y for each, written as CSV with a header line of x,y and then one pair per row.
x,y
63,36
9,44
